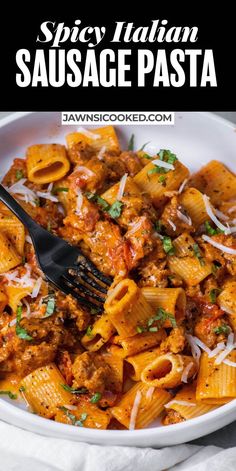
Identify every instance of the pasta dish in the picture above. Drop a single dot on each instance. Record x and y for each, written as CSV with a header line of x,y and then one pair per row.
x,y
164,346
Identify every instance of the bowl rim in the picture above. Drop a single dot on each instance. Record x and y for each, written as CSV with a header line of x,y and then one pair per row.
x,y
41,424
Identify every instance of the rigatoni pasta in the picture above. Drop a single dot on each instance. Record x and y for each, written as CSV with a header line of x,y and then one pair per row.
x,y
163,346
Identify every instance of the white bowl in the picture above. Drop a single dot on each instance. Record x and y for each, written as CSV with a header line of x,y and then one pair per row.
x,y
196,138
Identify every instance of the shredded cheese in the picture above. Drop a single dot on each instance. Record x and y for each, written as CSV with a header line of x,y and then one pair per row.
x,y
150,392
196,352
79,201
47,195
91,135
36,287
134,411
221,215
229,347
101,153
220,346
230,363
122,187
219,246
28,239
24,193
181,403
211,214
163,164
83,169
172,224
185,219
182,186
232,209
184,377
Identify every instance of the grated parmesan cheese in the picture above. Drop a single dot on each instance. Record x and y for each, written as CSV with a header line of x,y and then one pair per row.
x,y
91,135
163,164
134,411
219,246
122,187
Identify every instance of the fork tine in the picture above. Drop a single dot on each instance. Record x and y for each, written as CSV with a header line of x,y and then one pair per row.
x,y
90,281
82,288
81,260
67,290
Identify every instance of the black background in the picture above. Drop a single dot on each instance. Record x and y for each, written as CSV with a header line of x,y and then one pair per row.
x,y
19,29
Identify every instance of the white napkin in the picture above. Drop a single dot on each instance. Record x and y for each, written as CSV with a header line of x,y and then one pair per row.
x,y
25,451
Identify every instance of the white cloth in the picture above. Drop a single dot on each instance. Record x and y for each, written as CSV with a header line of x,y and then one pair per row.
x,y
25,451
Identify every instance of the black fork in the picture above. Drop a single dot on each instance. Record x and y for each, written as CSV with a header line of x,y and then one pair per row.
x,y
62,264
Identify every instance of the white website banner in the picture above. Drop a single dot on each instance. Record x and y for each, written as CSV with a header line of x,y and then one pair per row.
x,y
117,117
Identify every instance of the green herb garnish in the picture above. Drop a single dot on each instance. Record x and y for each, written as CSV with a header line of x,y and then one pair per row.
x,y
144,145
158,226
89,331
72,417
131,143
22,389
167,156
97,199
213,294
59,189
168,246
140,329
66,387
161,317
9,394
19,175
210,230
162,180
222,329
115,209
95,398
20,331
49,226
50,306
94,311
197,254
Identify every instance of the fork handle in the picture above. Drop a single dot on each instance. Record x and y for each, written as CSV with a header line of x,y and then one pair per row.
x,y
17,209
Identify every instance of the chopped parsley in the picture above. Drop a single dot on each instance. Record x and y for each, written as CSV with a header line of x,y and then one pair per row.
x,y
215,266
131,143
95,398
158,226
73,418
22,389
20,331
222,329
50,306
140,329
161,317
94,311
162,180
19,175
210,230
9,394
213,294
146,156
89,331
97,199
168,246
144,145
115,209
168,157
59,189
68,388
197,254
